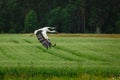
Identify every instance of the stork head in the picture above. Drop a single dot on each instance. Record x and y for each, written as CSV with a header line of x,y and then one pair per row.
x,y
51,28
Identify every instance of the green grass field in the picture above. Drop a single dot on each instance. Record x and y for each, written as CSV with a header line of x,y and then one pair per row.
x,y
75,57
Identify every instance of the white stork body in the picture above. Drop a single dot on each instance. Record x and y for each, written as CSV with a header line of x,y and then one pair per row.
x,y
42,36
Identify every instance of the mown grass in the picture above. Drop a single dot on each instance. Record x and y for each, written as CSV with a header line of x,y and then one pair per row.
x,y
76,57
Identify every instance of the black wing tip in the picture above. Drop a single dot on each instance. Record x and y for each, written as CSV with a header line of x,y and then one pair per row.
x,y
54,45
49,46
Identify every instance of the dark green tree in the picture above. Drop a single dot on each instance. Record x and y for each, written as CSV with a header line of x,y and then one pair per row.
x,y
31,22
68,22
117,28
71,16
81,18
3,16
98,15
15,16
54,19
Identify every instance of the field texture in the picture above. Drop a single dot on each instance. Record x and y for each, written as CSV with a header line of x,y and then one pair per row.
x,y
75,57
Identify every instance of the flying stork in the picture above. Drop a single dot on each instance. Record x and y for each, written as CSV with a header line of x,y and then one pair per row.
x,y
42,36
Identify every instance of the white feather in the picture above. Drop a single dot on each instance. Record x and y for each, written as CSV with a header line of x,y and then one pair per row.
x,y
44,31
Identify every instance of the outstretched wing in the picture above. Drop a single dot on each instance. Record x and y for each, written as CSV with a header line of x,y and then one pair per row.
x,y
45,42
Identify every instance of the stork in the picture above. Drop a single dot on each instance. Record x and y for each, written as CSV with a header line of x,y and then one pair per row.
x,y
42,36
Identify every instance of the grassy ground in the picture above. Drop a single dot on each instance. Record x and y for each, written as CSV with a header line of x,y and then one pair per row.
x,y
76,57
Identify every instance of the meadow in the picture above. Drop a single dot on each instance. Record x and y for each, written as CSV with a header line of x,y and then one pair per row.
x,y
75,57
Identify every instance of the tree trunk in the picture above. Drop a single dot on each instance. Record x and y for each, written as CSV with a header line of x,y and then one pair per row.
x,y
79,23
84,21
98,30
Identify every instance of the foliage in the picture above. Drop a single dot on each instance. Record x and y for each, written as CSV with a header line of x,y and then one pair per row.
x,y
69,16
67,20
118,26
117,29
62,18
54,18
31,22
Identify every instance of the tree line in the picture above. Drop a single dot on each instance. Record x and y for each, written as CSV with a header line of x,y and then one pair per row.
x,y
68,16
